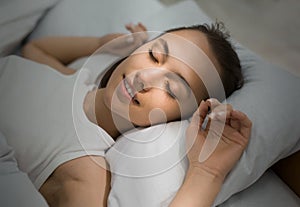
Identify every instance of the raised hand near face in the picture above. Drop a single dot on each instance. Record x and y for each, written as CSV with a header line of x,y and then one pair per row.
x,y
126,44
227,129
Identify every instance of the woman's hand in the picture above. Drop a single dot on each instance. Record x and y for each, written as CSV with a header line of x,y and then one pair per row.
x,y
128,43
217,148
139,28
58,52
213,152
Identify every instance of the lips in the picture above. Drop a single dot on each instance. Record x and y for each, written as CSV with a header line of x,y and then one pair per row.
x,y
128,90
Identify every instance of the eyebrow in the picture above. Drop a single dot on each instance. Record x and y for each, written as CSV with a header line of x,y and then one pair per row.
x,y
165,45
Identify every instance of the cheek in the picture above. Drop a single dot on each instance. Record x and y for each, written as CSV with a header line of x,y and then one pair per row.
x,y
111,87
108,94
156,108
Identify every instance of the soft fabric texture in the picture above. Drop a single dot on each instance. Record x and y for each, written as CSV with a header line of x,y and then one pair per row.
x,y
149,163
93,17
16,189
42,117
270,97
269,190
17,19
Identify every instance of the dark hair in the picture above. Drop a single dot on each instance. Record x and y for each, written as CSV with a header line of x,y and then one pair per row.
x,y
108,73
218,39
223,50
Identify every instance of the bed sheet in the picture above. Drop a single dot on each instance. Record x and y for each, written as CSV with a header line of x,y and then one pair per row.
x,y
16,189
269,190
161,25
266,146
18,19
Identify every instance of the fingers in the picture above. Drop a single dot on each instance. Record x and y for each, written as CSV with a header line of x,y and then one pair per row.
x,y
135,28
235,119
143,27
129,27
139,33
200,113
221,112
213,102
241,123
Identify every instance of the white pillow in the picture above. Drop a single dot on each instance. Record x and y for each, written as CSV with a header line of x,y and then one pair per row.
x,y
17,20
93,17
270,97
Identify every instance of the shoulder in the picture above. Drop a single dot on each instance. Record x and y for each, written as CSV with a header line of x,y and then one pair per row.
x,y
81,169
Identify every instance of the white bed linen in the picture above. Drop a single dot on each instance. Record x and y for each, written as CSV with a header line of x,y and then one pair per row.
x,y
268,143
197,16
16,189
42,117
268,191
17,19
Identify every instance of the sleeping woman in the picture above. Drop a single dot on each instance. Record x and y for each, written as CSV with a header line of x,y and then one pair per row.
x,y
158,74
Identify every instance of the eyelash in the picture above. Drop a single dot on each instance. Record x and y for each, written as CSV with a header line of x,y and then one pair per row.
x,y
167,84
168,89
153,58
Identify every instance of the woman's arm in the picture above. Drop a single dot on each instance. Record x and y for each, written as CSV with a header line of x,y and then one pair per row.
x,y
199,189
204,178
57,52
80,182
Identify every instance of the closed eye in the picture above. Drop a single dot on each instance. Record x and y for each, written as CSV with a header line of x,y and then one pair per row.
x,y
168,89
153,58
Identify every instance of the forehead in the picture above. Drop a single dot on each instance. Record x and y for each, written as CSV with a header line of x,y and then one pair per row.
x,y
195,39
192,48
190,55
187,55
193,36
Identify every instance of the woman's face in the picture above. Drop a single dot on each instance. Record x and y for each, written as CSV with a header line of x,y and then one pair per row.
x,y
159,81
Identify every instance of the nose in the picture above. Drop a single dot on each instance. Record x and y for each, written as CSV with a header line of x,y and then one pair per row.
x,y
147,79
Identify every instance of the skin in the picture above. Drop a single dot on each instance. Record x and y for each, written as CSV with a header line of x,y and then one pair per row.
x,y
69,185
162,81
204,179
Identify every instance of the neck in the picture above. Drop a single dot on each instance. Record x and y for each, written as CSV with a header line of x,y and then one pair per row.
x,y
101,115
